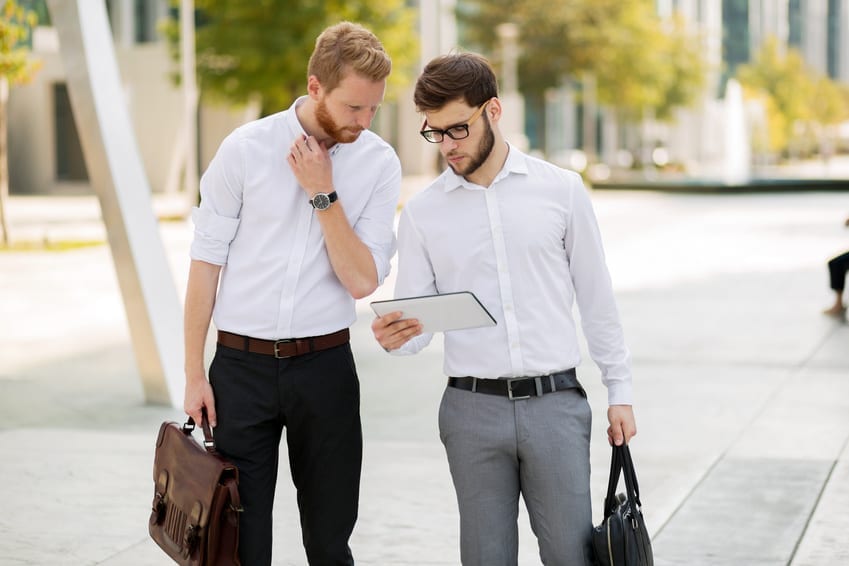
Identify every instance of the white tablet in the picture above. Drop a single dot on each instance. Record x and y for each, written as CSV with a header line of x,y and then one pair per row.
x,y
436,313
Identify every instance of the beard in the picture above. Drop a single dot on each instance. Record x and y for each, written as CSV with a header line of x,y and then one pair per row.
x,y
331,128
481,155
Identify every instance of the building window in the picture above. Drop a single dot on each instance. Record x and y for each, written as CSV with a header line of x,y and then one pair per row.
x,y
735,36
833,38
794,23
70,164
145,20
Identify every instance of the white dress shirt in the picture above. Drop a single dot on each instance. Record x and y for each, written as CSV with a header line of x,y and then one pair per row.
x,y
256,221
528,246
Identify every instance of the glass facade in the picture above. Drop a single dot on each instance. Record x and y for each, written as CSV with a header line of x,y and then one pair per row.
x,y
735,36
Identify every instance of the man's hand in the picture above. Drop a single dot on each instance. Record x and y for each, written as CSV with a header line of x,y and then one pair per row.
x,y
199,395
623,426
310,162
392,332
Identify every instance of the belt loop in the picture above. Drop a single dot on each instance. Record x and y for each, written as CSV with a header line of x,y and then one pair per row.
x,y
551,380
474,385
538,384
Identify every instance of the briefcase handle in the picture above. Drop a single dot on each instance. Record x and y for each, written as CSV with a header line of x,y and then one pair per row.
x,y
621,460
208,440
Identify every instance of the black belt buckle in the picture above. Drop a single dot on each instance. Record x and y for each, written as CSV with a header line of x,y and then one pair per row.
x,y
277,348
510,383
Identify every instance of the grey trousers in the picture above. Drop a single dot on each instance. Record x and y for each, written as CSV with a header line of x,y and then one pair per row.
x,y
498,449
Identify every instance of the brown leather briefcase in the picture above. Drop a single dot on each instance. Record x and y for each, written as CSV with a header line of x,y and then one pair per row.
x,y
195,516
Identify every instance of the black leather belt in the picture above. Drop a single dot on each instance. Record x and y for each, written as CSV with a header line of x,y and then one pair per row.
x,y
520,387
287,348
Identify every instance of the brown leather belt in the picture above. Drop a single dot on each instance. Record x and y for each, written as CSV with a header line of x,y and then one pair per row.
x,y
287,348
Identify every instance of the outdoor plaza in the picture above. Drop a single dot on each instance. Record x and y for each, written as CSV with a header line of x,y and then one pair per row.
x,y
741,384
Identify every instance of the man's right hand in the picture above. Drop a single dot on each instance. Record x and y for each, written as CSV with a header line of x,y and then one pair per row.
x,y
198,395
392,332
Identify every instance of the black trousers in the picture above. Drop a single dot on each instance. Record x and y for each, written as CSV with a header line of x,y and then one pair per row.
x,y
317,398
837,268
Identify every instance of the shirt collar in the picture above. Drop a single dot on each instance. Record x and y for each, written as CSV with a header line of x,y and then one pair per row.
x,y
516,162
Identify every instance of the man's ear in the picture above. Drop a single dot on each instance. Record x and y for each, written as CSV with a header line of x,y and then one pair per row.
x,y
493,110
314,87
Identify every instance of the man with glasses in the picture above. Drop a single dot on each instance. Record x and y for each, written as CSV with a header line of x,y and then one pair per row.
x,y
521,234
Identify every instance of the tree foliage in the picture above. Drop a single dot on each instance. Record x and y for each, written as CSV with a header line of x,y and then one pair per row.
x,y
15,68
261,48
639,62
15,25
797,99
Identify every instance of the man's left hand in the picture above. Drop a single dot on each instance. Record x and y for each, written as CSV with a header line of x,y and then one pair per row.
x,y
623,426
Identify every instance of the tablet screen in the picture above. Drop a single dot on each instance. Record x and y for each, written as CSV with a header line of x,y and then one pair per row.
x,y
437,313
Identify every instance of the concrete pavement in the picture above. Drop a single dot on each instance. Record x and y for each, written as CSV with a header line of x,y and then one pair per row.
x,y
742,394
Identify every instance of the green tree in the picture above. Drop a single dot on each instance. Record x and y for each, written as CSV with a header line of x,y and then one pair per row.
x,y
799,101
260,49
15,68
639,62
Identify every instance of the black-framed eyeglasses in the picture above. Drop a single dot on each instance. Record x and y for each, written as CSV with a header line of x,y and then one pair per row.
x,y
457,132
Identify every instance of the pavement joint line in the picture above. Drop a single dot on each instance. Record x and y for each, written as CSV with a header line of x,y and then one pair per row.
x,y
791,372
141,542
815,506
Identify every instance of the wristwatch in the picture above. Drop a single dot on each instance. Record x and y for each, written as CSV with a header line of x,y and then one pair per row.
x,y
322,201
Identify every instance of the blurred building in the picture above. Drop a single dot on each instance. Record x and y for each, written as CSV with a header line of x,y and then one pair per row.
x,y
45,156
732,32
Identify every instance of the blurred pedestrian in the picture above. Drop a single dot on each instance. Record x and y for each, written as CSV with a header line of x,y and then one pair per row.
x,y
837,268
521,234
296,216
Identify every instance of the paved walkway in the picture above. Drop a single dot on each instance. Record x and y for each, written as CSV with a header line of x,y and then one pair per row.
x,y
742,395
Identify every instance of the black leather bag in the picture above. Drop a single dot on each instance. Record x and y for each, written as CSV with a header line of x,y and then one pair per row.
x,y
621,539
195,516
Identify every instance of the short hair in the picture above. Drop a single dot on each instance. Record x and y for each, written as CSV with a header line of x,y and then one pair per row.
x,y
457,76
347,46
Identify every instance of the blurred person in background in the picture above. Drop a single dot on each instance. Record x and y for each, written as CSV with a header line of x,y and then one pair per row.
x,y
837,268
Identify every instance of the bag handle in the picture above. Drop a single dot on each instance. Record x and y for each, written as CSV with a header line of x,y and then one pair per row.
x,y
208,440
631,484
621,461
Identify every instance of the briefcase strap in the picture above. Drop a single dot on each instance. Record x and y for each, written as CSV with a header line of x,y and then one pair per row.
x,y
208,440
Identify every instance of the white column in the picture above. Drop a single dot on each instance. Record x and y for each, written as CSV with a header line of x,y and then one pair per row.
x,y
513,117
112,157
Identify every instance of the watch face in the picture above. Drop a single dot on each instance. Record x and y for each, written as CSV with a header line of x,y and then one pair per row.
x,y
321,201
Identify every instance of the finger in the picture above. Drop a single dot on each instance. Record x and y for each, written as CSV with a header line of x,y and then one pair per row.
x,y
211,415
618,434
410,329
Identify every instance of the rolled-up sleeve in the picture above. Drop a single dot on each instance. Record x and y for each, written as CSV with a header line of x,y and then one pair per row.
x,y
216,220
375,226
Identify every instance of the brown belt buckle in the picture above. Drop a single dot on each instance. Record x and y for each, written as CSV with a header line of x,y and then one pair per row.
x,y
277,348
